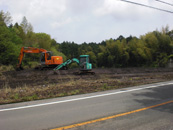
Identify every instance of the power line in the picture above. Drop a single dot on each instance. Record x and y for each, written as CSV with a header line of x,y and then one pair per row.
x,y
147,6
164,2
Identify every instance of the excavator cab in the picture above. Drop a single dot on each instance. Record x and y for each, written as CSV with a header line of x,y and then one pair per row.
x,y
84,63
49,55
45,56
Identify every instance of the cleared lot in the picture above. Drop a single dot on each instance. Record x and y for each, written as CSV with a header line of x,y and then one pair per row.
x,y
27,85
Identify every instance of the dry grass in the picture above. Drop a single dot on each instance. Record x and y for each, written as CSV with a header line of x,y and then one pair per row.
x,y
4,68
72,85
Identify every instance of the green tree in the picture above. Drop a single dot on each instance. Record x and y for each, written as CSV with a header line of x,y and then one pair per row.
x,y
5,18
43,40
71,50
93,58
102,60
9,43
24,24
152,43
139,53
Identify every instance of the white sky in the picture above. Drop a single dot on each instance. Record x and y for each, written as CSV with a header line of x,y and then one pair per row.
x,y
89,20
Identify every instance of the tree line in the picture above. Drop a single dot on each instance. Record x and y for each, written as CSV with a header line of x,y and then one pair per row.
x,y
153,49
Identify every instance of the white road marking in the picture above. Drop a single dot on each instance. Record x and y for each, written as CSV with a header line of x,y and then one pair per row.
x,y
83,98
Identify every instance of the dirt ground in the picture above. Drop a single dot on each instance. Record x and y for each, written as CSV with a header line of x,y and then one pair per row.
x,y
34,78
33,84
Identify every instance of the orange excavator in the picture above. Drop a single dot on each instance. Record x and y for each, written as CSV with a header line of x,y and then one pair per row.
x,y
46,58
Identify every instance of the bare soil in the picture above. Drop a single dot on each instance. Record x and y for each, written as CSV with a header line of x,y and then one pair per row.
x,y
32,84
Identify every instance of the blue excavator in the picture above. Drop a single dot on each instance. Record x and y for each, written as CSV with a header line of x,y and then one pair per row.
x,y
83,62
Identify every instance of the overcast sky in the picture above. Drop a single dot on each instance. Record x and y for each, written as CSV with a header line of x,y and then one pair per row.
x,y
89,20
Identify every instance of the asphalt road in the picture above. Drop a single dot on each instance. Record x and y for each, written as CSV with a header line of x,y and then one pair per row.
x,y
66,111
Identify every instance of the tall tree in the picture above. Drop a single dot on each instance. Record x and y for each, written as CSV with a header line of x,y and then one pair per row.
x,y
5,18
24,25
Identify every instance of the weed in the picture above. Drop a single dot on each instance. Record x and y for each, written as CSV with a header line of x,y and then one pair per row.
x,y
35,96
16,96
105,86
30,98
6,68
62,94
130,79
137,78
71,83
33,64
74,92
118,81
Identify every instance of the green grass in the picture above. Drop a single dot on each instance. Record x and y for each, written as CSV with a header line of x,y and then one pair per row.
x,y
106,87
30,98
74,92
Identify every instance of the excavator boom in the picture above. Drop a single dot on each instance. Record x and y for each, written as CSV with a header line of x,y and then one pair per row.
x,y
27,50
66,63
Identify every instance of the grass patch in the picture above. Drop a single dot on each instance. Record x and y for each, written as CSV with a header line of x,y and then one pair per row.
x,y
30,98
4,68
62,94
106,87
74,92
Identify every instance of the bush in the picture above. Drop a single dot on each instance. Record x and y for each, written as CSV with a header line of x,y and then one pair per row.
x,y
33,64
74,65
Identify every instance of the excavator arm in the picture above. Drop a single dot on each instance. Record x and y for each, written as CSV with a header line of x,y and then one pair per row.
x,y
27,50
66,63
